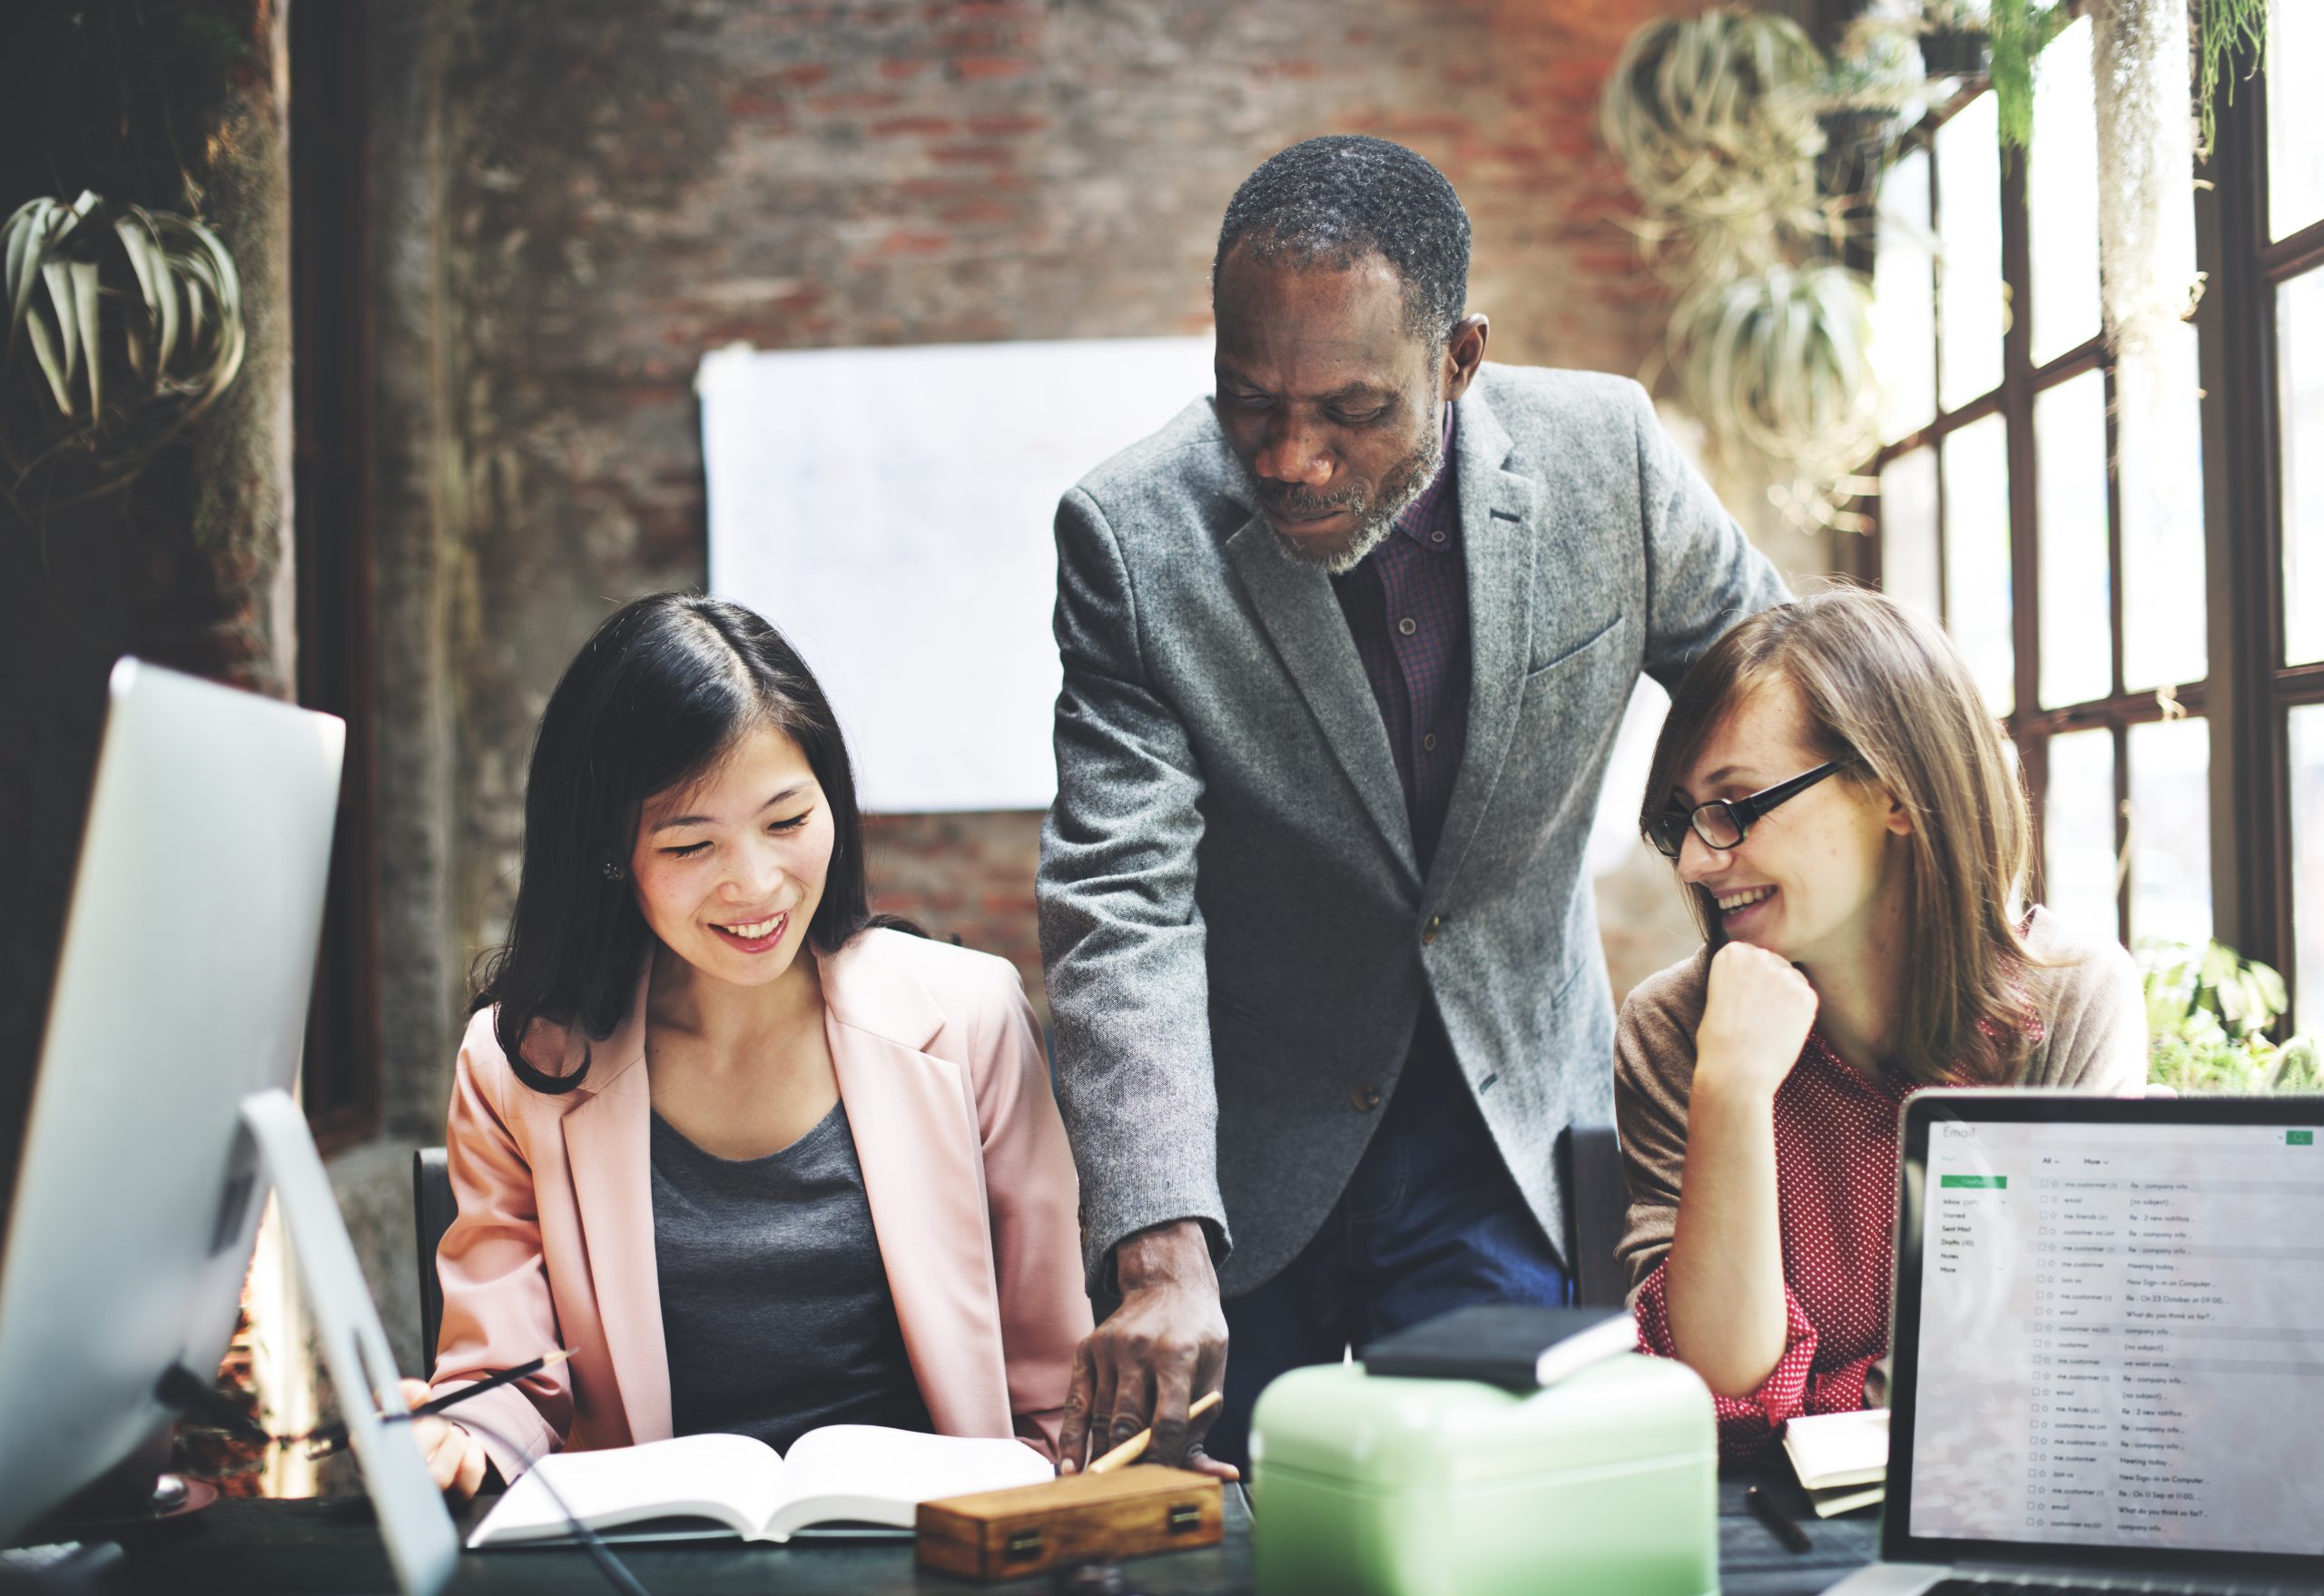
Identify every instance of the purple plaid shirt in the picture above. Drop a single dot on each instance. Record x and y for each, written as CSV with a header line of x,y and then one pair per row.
x,y
1407,607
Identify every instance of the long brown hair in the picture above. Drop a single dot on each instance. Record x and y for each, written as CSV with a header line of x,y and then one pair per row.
x,y
1886,691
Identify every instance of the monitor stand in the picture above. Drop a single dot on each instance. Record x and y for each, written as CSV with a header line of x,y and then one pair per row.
x,y
420,1539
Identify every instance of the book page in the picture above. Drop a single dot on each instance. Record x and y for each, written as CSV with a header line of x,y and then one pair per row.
x,y
731,1479
877,1475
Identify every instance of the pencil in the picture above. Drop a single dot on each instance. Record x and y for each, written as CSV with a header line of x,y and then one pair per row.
x,y
334,1434
492,1382
1131,1450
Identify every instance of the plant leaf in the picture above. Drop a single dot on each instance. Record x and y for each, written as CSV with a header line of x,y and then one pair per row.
x,y
58,276
84,306
27,242
51,364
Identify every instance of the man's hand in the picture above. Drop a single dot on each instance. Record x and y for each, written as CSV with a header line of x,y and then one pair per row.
x,y
1163,1347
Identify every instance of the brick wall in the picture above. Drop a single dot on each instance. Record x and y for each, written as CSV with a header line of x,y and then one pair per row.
x,y
605,188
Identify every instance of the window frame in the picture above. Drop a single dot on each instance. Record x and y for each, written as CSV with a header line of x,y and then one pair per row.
x,y
2252,854
342,1073
2032,724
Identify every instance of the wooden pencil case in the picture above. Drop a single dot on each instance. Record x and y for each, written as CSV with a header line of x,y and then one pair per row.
x,y
1131,1512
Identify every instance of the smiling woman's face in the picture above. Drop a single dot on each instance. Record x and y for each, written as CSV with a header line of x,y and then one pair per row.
x,y
1808,878
729,868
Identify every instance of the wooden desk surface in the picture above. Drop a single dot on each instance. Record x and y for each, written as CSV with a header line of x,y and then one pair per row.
x,y
318,1549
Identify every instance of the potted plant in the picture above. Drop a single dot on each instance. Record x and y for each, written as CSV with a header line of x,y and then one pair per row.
x,y
1778,363
2208,1013
1875,86
1954,38
1709,114
124,325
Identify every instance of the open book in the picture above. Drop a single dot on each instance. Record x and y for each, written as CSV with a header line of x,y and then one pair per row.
x,y
859,1472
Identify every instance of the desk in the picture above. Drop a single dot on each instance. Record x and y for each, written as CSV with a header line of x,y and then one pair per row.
x,y
314,1549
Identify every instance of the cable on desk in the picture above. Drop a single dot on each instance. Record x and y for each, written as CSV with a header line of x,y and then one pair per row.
x,y
617,1575
188,1393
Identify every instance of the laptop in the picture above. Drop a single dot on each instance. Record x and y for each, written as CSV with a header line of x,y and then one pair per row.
x,y
2109,1349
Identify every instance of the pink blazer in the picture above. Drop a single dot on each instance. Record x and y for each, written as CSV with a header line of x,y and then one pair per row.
x,y
965,1167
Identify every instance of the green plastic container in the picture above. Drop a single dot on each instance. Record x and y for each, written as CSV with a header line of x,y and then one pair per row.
x,y
1606,1484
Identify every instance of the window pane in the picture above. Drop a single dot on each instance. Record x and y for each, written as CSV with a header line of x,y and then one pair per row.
x,y
1908,564
1976,557
2077,603
1973,303
2078,831
2307,863
1904,300
2295,115
2158,445
2062,197
2300,357
2170,830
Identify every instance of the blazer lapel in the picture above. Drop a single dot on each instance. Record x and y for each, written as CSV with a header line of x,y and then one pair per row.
x,y
1497,542
608,1151
917,1141
1295,604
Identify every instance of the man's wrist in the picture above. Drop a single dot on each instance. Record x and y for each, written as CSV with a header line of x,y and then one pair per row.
x,y
1178,1252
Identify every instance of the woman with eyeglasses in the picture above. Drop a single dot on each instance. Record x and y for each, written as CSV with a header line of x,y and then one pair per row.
x,y
1844,815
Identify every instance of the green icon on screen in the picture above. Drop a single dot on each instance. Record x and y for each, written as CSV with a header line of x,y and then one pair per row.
x,y
2299,1138
1979,1182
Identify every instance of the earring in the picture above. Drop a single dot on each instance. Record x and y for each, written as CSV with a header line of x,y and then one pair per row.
x,y
612,871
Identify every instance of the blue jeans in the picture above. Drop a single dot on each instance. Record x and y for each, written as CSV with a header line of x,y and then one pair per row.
x,y
1431,1221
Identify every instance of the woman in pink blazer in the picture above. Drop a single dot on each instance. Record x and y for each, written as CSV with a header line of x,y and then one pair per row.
x,y
760,1161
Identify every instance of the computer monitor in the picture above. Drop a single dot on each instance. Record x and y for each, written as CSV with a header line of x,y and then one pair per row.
x,y
179,1004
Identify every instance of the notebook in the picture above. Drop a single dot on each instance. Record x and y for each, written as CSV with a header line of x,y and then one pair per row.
x,y
1841,1459
1508,1344
862,1474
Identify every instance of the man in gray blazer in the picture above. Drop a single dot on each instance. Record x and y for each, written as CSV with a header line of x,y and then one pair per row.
x,y
1345,647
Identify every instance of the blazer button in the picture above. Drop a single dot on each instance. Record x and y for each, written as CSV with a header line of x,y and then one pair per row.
x,y
1368,1098
1435,925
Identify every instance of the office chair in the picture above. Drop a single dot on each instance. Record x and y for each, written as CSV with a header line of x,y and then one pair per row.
x,y
1597,1206
433,1209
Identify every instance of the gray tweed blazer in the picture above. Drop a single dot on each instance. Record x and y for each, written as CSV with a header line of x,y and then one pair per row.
x,y
1237,934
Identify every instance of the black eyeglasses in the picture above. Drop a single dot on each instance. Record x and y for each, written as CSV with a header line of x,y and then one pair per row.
x,y
1723,823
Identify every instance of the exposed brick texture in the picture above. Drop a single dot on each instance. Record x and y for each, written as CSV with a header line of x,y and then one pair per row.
x,y
609,187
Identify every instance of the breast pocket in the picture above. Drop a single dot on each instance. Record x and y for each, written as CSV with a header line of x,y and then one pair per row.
x,y
1597,647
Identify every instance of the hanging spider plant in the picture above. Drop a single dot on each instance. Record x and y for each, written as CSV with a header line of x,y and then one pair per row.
x,y
124,326
1777,365
1712,122
2022,30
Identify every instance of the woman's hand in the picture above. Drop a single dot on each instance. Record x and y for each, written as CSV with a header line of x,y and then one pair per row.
x,y
1725,1286
1757,1014
455,1459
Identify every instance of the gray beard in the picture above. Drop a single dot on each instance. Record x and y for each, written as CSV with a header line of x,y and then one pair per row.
x,y
1378,521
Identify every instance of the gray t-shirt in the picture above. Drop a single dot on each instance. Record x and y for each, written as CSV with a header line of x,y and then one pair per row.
x,y
775,1310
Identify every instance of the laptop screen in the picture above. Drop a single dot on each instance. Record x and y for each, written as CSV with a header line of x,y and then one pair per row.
x,y
2118,1335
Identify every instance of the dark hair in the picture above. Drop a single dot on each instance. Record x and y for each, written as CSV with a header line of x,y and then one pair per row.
x,y
1335,200
656,697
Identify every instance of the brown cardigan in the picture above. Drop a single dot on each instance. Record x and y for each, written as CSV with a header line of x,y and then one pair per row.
x,y
2093,1015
